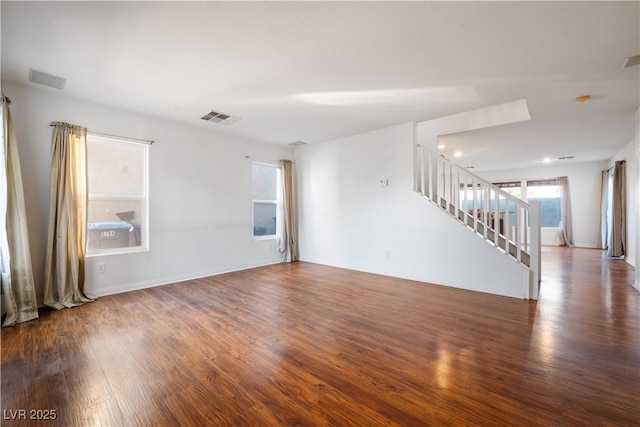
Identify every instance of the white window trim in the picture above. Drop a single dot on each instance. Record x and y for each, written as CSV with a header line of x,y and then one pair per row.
x,y
144,246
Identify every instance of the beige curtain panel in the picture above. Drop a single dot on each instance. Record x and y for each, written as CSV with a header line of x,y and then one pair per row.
x,y
65,269
290,215
566,232
603,241
15,256
618,226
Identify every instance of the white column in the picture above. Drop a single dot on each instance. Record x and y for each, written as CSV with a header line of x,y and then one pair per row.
x,y
535,262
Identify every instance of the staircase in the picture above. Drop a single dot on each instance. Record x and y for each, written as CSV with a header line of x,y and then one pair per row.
x,y
505,222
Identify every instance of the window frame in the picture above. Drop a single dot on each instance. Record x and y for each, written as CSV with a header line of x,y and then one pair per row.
x,y
274,202
524,191
546,182
144,199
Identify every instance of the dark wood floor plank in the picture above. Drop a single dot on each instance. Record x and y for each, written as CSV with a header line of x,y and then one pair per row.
x,y
305,344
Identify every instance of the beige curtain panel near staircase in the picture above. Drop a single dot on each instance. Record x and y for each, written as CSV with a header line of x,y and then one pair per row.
x,y
613,227
603,241
65,271
566,230
15,256
617,239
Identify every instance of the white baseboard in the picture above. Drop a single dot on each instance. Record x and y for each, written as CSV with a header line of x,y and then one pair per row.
x,y
153,283
586,245
511,293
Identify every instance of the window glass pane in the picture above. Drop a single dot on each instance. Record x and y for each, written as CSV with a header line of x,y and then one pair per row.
x,y
264,219
117,209
115,168
549,211
514,188
114,224
468,193
550,198
543,191
264,182
514,191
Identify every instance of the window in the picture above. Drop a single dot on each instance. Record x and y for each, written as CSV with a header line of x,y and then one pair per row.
x,y
547,191
266,187
549,194
512,187
467,193
117,172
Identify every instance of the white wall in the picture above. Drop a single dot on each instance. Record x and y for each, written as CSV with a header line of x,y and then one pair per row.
x,y
636,215
200,192
348,220
628,154
584,187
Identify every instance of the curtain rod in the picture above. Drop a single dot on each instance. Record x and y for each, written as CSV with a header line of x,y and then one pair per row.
x,y
613,167
267,160
150,141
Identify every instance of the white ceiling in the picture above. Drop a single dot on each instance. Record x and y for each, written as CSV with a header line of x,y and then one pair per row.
x,y
317,71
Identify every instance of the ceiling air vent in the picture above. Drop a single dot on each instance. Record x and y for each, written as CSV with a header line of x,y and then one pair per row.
x,y
220,118
46,79
565,157
297,143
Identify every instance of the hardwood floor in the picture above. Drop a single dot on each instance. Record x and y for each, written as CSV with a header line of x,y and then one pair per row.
x,y
305,344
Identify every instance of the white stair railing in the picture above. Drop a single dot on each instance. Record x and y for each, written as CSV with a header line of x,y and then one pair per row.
x,y
505,221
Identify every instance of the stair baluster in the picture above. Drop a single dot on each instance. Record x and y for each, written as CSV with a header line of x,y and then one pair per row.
x,y
469,198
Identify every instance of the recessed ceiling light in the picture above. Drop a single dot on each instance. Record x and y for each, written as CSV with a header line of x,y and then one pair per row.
x,y
458,154
630,61
583,98
547,160
441,146
297,143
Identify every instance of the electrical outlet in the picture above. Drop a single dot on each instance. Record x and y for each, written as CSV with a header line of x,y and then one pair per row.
x,y
101,267
387,254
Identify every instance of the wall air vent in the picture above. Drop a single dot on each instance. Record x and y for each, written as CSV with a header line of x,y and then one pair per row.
x,y
220,118
46,79
297,143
